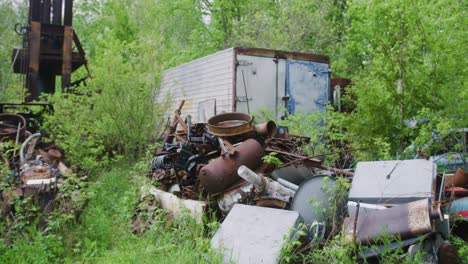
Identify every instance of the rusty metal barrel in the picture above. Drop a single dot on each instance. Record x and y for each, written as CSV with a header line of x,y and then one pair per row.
x,y
221,172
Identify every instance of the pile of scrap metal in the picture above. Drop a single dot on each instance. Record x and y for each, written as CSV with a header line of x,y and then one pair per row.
x,y
36,168
454,187
407,199
221,163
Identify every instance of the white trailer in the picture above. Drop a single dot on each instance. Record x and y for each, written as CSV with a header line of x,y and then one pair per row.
x,y
248,80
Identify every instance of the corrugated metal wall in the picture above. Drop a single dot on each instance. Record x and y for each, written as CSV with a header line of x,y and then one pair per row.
x,y
210,77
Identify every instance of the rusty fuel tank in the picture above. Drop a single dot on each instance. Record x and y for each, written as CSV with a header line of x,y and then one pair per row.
x,y
221,172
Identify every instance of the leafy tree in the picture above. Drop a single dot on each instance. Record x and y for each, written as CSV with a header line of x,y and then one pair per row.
x,y
12,16
403,57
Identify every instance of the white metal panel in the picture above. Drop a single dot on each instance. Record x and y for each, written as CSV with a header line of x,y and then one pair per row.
x,y
260,84
207,78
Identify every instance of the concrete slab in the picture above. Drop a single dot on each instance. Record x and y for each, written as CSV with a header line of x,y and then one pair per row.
x,y
252,234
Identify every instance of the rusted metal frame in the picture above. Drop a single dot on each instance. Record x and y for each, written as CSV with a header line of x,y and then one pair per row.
x,y
46,8
172,129
34,53
324,154
35,10
67,44
67,57
81,51
313,162
68,13
179,138
57,12
182,123
337,171
294,155
234,81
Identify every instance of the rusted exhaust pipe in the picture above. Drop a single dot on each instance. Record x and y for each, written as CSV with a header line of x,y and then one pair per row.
x,y
267,129
221,172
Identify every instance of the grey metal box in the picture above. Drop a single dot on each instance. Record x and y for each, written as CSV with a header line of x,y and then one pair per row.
x,y
252,234
393,181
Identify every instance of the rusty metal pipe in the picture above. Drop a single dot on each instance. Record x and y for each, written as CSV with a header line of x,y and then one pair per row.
x,y
267,129
221,172
266,186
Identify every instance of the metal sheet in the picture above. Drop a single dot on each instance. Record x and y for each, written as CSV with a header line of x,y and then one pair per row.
x,y
252,234
260,84
307,86
393,181
207,78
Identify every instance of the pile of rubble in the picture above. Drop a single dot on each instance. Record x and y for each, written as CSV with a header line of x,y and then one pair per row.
x,y
229,164
201,162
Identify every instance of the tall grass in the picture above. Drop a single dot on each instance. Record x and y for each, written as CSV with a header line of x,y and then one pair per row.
x,y
104,232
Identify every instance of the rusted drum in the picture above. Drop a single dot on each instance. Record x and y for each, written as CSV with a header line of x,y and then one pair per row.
x,y
9,126
221,172
230,124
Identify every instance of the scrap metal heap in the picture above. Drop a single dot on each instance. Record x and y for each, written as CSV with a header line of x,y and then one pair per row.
x,y
228,164
201,161
37,169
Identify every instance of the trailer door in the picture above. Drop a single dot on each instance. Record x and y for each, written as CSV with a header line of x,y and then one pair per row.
x,y
260,84
307,86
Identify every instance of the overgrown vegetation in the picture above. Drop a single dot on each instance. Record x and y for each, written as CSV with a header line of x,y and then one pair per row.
x,y
406,60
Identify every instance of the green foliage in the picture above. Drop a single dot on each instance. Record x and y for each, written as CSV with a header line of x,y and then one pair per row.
x,y
105,234
272,159
326,130
462,248
114,114
402,57
11,12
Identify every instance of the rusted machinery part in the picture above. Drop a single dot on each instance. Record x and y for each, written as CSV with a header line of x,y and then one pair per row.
x,y
230,124
447,253
460,178
9,126
221,173
406,220
25,143
272,203
267,129
38,172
